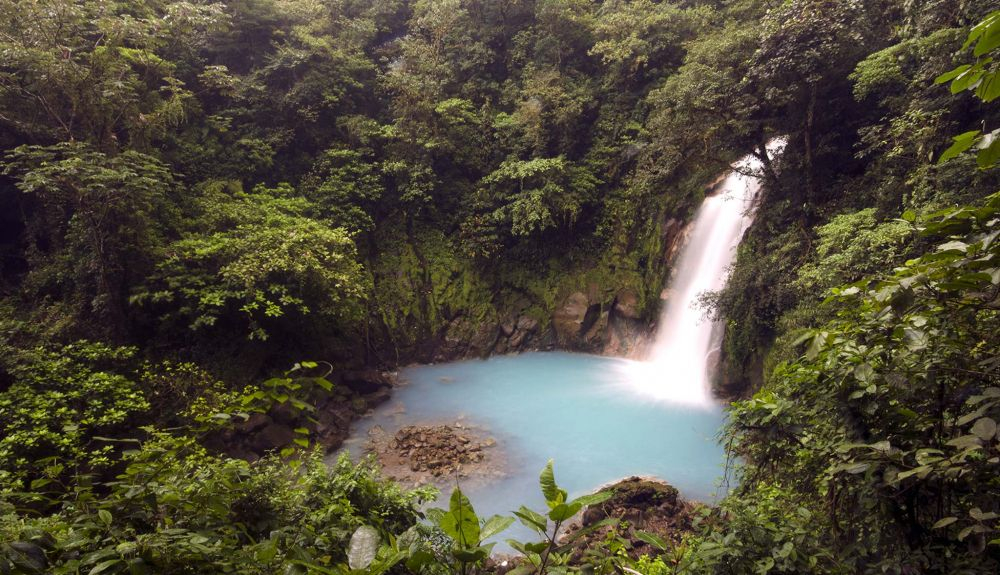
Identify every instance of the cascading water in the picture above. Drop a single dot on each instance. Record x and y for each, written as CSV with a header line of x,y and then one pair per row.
x,y
685,350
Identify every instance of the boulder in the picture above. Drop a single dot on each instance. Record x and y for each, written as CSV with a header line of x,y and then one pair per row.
x,y
596,333
255,422
647,505
508,325
365,381
627,304
484,339
522,331
569,318
274,436
378,397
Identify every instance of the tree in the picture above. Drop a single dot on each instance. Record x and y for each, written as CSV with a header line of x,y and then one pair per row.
x,y
91,71
95,224
255,262
523,198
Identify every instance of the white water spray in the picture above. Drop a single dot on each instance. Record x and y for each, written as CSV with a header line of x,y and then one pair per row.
x,y
679,363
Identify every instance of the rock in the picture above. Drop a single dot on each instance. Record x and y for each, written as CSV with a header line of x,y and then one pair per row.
x,y
378,397
570,316
508,325
525,323
255,422
522,331
437,450
595,335
365,381
274,436
627,304
647,505
483,340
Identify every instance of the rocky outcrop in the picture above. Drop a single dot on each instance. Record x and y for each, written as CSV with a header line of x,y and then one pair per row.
x,y
595,322
571,319
644,505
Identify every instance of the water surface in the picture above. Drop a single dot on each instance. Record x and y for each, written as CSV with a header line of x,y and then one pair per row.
x,y
583,411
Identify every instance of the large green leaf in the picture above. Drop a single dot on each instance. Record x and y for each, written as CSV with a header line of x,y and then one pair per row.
x,y
652,539
495,525
363,547
461,522
532,519
553,494
961,143
593,498
563,511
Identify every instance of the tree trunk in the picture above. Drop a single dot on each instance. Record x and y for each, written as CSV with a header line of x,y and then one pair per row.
x,y
810,192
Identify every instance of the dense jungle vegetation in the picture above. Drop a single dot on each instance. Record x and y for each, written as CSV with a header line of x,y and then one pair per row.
x,y
196,195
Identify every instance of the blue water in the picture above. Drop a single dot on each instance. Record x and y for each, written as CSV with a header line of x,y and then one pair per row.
x,y
579,410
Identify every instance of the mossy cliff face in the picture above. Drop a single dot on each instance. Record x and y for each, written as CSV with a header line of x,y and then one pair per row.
x,y
431,303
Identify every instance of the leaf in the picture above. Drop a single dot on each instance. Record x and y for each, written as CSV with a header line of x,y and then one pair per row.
x,y
961,143
363,547
967,80
979,515
461,523
989,40
990,154
864,373
524,569
547,479
104,566
27,556
418,559
593,498
652,539
951,75
470,555
965,442
985,428
989,89
920,472
105,516
532,519
494,525
563,511
944,522
852,468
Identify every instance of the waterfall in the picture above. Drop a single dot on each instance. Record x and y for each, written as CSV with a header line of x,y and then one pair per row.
x,y
687,343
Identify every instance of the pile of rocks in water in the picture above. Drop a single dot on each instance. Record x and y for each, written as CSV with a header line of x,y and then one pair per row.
x,y
438,450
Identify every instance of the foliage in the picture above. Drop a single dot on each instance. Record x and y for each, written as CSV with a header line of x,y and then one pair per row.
x,y
62,400
419,170
177,509
258,256
981,78
100,221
